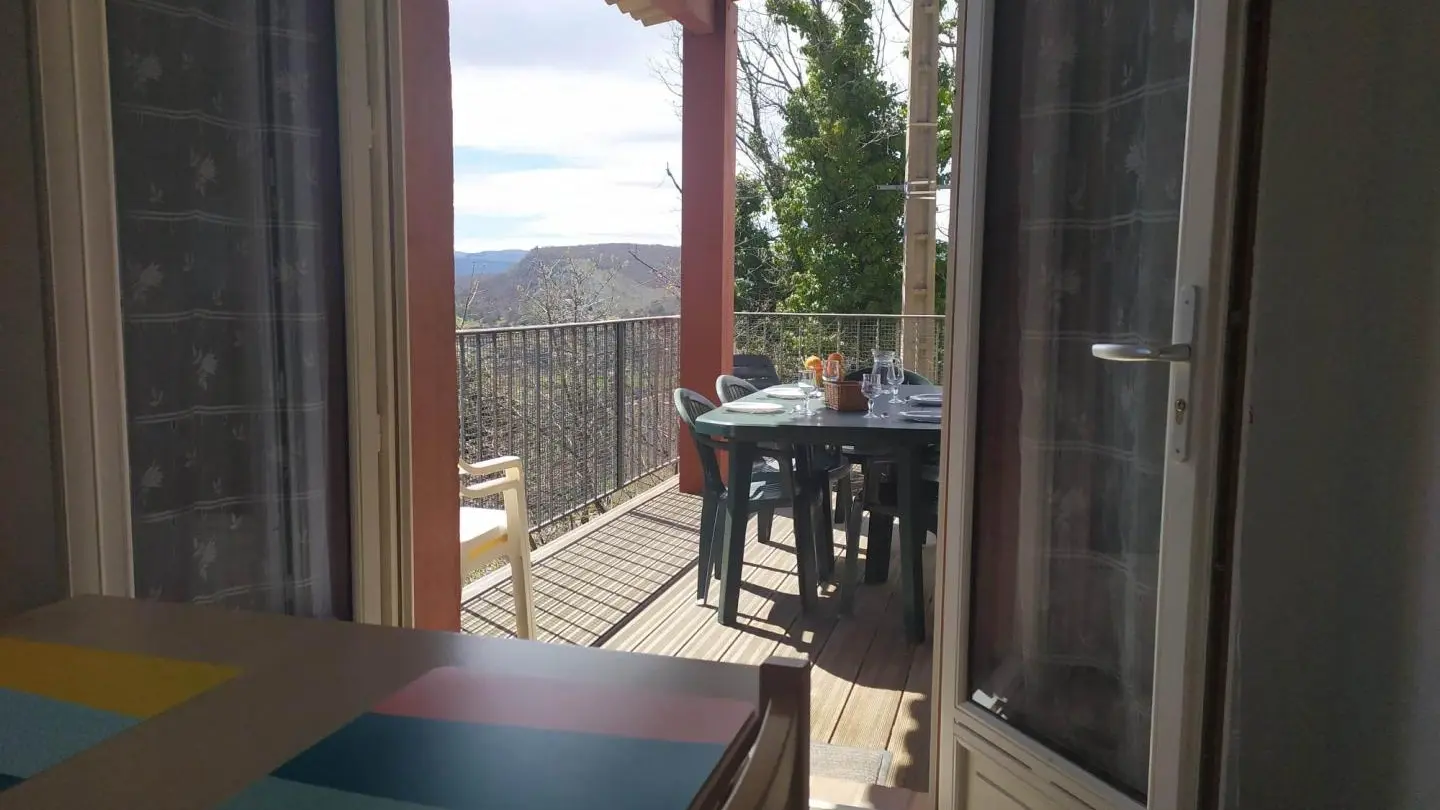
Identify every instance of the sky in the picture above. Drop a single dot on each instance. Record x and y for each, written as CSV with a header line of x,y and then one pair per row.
x,y
563,128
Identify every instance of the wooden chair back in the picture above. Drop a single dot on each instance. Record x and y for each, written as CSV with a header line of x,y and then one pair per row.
x,y
777,776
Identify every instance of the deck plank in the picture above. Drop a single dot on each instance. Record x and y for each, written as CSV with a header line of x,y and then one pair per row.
x,y
782,629
760,581
628,583
685,624
870,709
672,618
838,662
762,630
909,742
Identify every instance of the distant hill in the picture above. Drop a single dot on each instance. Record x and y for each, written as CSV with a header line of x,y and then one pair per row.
x,y
484,263
631,287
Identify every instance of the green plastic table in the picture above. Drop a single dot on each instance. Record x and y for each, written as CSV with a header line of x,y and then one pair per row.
x,y
892,436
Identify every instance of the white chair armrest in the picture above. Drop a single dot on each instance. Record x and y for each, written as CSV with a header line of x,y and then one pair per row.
x,y
492,466
492,487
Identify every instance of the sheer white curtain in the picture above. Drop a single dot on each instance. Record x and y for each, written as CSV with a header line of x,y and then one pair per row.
x,y
228,202
1086,140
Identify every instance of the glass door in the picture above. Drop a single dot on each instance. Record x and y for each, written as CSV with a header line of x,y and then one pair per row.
x,y
227,163
1082,211
1092,181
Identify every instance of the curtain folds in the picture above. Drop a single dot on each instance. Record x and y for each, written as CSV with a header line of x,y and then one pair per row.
x,y
227,170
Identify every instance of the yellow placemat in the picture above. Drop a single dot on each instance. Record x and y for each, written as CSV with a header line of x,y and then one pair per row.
x,y
136,685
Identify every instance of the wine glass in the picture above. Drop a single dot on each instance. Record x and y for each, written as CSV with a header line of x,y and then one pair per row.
x,y
833,371
895,375
872,386
806,384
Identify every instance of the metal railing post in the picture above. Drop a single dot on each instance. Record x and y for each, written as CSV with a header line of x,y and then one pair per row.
x,y
619,403
461,387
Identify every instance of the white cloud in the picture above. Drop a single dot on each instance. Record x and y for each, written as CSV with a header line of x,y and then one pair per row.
x,y
563,112
608,139
571,82
568,206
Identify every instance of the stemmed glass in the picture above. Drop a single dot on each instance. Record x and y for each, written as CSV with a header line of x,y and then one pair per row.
x,y
895,375
872,386
833,371
806,384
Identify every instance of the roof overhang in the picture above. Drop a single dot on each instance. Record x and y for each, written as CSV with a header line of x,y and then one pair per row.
x,y
697,16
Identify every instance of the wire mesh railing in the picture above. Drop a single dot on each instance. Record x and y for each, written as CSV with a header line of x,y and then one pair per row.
x,y
588,406
789,337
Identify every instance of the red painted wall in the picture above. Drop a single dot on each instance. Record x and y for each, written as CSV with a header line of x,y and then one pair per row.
x,y
430,302
707,216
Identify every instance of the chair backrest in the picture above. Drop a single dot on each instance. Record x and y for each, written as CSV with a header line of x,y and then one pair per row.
x,y
508,481
691,406
911,377
777,777
756,369
730,388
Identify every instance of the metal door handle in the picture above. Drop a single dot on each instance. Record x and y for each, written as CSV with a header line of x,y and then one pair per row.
x,y
1131,353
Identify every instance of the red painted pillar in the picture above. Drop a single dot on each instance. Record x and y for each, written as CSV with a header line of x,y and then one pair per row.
x,y
430,303
707,215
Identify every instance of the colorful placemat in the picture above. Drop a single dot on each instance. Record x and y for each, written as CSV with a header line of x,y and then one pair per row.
x,y
57,700
456,738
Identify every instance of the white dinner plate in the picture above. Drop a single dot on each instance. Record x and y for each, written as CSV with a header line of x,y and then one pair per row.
x,y
928,400
753,407
785,392
920,416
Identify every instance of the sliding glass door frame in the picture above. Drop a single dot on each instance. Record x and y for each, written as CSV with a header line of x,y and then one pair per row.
x,y
1017,766
83,252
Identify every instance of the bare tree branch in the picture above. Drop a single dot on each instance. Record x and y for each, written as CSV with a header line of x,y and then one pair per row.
x,y
568,290
668,276
463,319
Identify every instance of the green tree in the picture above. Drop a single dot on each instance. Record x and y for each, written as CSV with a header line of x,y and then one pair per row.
x,y
824,132
838,232
820,131
757,278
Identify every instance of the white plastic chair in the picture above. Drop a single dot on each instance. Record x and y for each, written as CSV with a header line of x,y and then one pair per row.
x,y
489,534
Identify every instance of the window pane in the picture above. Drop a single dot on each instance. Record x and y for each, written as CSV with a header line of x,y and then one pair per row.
x,y
1087,127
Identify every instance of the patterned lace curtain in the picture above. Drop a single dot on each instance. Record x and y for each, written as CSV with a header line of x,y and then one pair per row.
x,y
227,195
1086,144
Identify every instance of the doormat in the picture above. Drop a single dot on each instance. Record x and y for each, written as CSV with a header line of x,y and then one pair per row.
x,y
866,766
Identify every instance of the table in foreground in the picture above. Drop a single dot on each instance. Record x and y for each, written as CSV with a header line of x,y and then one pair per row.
x,y
892,436
193,707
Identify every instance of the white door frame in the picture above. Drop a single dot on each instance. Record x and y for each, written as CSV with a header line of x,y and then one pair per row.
x,y
1183,611
74,89
372,270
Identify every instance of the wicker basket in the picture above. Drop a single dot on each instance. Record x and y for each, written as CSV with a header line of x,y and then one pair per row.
x,y
845,396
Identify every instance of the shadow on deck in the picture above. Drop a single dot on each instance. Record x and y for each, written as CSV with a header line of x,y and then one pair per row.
x,y
627,582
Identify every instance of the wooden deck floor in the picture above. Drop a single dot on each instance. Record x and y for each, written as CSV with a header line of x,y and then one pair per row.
x,y
626,582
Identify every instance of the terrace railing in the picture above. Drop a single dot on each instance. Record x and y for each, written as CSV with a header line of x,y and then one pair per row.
x,y
588,405
788,337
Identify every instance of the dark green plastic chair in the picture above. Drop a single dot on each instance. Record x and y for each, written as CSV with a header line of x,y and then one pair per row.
x,y
769,490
